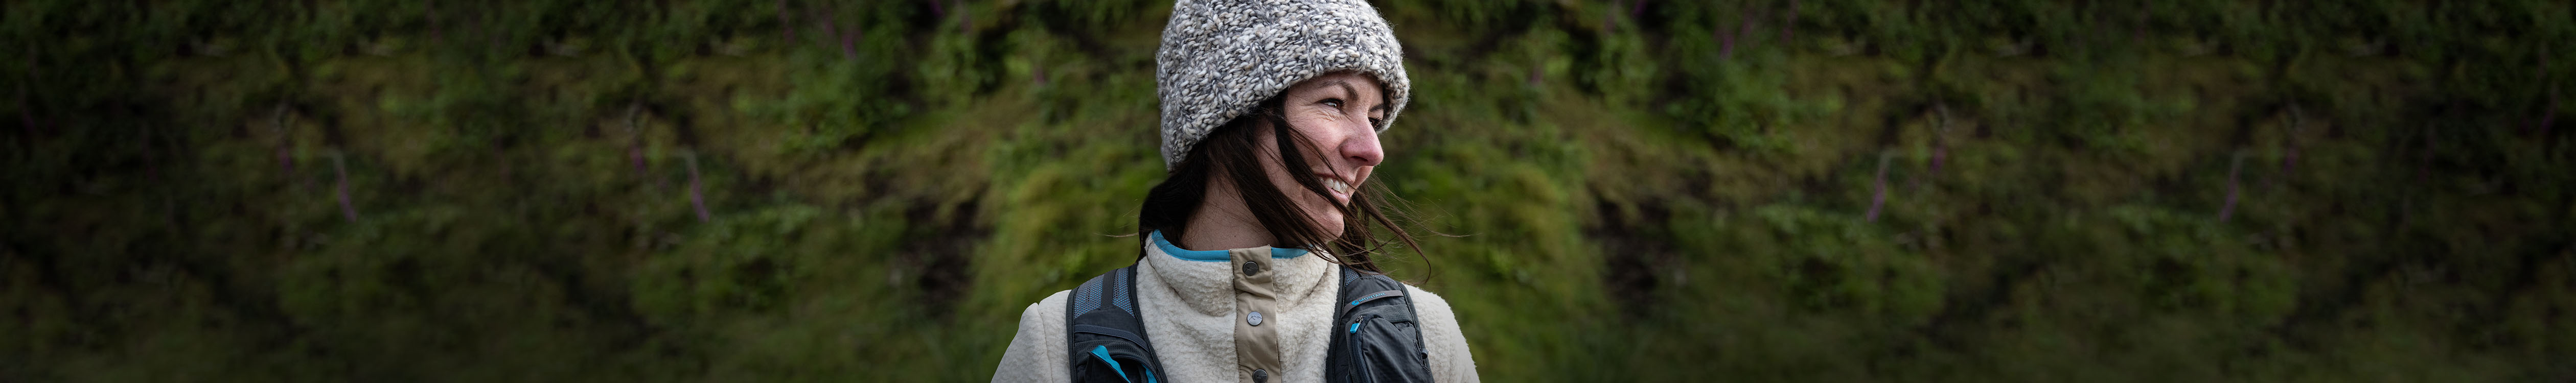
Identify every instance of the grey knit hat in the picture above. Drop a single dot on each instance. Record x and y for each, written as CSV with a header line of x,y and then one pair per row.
x,y
1221,58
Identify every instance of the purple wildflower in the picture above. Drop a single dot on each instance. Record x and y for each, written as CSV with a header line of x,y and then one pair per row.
x,y
827,22
635,154
635,141
1744,29
1752,20
697,193
786,24
2233,167
1609,21
2138,31
1725,42
849,40
277,123
1787,23
340,167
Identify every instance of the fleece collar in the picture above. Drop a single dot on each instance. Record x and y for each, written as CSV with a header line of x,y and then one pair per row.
x,y
1214,255
1207,286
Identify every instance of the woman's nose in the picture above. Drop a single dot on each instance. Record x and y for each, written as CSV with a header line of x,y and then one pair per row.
x,y
1362,148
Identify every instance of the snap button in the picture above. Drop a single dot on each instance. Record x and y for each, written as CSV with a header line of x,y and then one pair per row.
x,y
1251,267
1260,375
1254,318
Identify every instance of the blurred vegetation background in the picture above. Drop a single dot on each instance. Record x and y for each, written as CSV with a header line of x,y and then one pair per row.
x,y
1783,190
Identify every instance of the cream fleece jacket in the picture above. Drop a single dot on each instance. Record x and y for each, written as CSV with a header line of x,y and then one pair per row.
x,y
1189,308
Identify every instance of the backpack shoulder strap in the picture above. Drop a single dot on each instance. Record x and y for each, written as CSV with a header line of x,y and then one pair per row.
x,y
1401,348
1105,308
1113,290
1361,287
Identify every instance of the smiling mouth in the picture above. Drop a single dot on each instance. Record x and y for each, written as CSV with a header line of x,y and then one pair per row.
x,y
1341,189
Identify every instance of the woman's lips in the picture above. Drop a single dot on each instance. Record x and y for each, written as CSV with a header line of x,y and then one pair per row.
x,y
1341,189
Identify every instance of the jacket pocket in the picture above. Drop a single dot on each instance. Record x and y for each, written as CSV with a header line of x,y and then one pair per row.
x,y
1386,343
1112,361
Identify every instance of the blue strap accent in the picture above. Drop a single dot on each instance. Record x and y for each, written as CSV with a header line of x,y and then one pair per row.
x,y
1103,353
1355,328
1215,255
1367,298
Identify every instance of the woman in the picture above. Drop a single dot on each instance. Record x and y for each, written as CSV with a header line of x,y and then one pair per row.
x,y
1256,251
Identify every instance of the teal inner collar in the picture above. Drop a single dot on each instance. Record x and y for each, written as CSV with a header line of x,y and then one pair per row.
x,y
1215,255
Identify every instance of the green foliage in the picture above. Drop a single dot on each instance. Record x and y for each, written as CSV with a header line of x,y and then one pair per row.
x,y
750,190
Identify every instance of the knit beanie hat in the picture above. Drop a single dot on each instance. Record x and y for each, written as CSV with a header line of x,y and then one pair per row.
x,y
1221,58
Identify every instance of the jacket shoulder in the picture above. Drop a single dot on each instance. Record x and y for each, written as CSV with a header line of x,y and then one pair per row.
x,y
1037,353
1047,312
1444,341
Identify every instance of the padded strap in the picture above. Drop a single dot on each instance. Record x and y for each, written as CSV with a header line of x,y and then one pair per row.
x,y
1114,289
1361,287
1106,305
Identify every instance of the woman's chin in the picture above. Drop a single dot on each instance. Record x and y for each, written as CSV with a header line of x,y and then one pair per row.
x,y
1332,225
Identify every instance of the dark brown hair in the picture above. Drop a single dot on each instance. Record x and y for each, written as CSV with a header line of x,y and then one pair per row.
x,y
1233,149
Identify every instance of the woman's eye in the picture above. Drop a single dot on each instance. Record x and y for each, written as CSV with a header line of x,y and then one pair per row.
x,y
1333,102
1375,121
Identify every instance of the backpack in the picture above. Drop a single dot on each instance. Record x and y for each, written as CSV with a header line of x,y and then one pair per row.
x,y
1378,338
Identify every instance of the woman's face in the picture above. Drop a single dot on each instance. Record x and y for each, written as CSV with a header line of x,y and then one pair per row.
x,y
1338,112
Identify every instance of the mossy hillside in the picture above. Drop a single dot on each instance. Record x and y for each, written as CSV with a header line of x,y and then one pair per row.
x,y
1808,190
